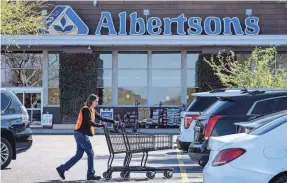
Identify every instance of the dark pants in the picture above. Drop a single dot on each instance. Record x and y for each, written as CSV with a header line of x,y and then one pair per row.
x,y
83,145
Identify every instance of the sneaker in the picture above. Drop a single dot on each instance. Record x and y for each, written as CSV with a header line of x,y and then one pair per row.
x,y
60,173
94,177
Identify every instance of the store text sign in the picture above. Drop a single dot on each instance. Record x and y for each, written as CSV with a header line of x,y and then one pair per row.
x,y
196,25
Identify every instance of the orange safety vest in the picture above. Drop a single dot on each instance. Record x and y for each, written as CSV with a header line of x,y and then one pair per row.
x,y
80,119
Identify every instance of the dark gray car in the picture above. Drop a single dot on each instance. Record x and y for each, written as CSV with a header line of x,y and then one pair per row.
x,y
16,135
246,126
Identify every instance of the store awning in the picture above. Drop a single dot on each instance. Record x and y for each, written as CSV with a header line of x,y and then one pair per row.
x,y
146,40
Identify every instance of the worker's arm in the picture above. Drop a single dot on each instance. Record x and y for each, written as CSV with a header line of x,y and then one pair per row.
x,y
101,118
87,118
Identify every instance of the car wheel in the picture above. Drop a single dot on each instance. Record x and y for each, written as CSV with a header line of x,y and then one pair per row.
x,y
6,153
282,179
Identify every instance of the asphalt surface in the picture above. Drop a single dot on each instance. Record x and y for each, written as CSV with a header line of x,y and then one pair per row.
x,y
38,164
99,131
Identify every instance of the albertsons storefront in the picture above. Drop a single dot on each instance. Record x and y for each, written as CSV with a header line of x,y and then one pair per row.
x,y
130,53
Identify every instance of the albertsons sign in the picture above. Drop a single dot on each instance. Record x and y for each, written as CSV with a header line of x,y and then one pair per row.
x,y
63,20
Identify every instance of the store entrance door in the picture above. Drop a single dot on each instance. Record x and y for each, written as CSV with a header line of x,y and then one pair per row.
x,y
32,99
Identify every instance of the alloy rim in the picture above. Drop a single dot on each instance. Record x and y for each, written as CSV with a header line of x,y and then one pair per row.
x,y
4,153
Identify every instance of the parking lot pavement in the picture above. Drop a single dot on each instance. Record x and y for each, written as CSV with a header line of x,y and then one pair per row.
x,y
38,164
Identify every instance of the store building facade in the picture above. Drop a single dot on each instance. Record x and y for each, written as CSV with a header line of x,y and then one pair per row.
x,y
144,51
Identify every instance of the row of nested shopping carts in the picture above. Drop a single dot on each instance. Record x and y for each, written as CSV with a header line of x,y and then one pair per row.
x,y
122,139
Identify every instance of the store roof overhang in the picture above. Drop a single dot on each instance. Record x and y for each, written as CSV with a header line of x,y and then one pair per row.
x,y
145,40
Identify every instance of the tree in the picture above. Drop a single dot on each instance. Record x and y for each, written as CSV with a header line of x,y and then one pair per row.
x,y
21,17
258,71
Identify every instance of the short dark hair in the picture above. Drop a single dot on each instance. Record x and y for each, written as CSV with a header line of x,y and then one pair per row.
x,y
90,99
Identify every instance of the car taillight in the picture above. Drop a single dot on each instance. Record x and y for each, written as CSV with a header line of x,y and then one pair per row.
x,y
210,125
30,137
188,119
227,155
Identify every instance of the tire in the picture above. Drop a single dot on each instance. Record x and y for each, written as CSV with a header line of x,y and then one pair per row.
x,y
168,174
107,175
6,153
282,179
150,175
126,176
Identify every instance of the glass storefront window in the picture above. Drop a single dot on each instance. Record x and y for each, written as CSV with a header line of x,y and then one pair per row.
x,y
132,78
53,79
192,58
132,60
23,60
168,96
23,78
128,96
54,96
104,77
105,60
19,69
191,78
166,60
105,95
166,78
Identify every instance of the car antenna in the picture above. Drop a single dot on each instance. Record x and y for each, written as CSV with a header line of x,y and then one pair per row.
x,y
245,90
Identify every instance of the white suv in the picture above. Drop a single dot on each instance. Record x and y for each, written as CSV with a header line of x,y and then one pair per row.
x,y
201,101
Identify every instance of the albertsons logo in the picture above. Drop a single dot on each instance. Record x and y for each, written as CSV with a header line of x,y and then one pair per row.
x,y
63,20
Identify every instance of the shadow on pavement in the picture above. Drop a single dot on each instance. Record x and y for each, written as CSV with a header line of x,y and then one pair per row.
x,y
6,169
157,179
138,155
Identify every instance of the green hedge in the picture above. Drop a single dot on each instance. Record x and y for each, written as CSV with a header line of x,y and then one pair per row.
x,y
78,79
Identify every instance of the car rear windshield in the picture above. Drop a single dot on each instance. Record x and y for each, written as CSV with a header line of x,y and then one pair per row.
x,y
218,107
265,128
199,104
5,102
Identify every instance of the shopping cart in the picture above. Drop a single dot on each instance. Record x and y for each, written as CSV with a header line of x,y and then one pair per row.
x,y
124,140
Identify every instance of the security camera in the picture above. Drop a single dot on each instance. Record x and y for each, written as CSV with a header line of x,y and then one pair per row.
x,y
95,2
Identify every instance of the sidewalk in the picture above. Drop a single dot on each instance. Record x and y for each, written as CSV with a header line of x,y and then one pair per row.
x,y
68,129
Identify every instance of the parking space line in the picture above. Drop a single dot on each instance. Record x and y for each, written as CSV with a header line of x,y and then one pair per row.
x,y
184,175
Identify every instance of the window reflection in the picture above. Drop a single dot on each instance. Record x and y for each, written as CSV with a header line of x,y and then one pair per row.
x,y
168,96
132,78
192,58
191,78
105,95
132,60
23,60
105,60
53,96
166,60
166,78
128,96
104,77
54,60
23,78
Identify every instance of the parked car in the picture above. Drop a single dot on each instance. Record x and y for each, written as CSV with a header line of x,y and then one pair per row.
x,y
259,156
219,118
201,101
16,135
244,127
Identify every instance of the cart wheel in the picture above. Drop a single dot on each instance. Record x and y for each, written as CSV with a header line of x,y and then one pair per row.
x,y
122,174
168,174
107,175
126,175
150,174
